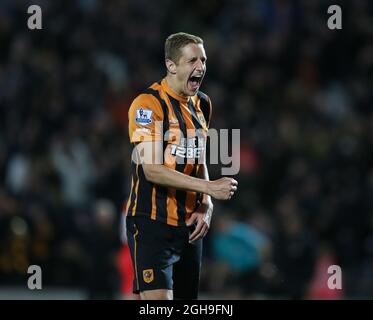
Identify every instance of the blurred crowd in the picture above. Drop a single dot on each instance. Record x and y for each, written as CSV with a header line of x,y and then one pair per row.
x,y
300,93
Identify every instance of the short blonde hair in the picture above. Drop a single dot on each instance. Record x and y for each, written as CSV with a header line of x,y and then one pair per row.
x,y
175,42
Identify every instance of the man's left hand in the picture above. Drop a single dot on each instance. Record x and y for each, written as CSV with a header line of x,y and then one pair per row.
x,y
202,218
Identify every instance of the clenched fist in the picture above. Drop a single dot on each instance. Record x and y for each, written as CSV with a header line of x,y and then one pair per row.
x,y
222,189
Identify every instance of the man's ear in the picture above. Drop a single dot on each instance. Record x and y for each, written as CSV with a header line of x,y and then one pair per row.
x,y
171,66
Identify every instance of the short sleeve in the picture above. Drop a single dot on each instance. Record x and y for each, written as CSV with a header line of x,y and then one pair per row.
x,y
145,118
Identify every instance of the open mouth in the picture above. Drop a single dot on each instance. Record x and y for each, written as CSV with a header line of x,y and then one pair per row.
x,y
194,82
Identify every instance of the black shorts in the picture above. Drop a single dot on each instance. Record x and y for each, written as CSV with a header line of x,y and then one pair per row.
x,y
163,258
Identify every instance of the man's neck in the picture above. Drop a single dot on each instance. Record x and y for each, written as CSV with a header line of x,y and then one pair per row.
x,y
172,83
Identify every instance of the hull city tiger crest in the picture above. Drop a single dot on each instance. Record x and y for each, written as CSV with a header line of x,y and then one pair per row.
x,y
148,275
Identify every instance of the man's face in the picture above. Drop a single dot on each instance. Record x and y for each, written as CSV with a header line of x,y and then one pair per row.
x,y
191,68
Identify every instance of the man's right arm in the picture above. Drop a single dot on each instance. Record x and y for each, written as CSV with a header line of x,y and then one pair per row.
x,y
221,189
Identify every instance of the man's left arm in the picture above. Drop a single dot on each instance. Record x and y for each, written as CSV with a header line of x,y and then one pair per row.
x,y
202,215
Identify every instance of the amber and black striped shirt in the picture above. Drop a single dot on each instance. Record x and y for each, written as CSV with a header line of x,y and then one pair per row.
x,y
187,121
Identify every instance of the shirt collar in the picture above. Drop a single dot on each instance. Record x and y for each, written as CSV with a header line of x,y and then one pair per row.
x,y
172,93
